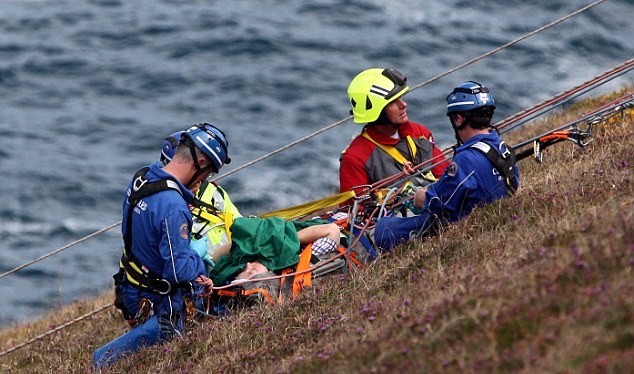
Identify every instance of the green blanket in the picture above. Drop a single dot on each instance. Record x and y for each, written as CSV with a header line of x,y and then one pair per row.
x,y
271,241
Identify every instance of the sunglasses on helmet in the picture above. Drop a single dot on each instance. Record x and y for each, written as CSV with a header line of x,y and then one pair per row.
x,y
397,78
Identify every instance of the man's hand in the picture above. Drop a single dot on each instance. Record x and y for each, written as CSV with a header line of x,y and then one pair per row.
x,y
207,283
419,197
407,168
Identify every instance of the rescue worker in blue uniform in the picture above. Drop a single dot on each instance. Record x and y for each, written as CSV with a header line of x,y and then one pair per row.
x,y
213,213
158,270
216,219
483,170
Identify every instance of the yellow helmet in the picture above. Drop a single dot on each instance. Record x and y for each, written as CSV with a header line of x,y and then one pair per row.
x,y
372,89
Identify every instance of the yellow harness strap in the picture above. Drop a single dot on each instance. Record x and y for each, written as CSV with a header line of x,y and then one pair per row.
x,y
226,219
228,223
130,279
215,216
392,151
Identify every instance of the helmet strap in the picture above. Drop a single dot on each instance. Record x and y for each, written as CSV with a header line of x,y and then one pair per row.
x,y
457,128
199,170
197,174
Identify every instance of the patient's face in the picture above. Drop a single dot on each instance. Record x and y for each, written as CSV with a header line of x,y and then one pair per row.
x,y
251,270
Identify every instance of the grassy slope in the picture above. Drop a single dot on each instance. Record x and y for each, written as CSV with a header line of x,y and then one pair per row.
x,y
541,282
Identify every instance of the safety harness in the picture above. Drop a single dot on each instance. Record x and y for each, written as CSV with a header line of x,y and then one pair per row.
x,y
504,162
398,156
209,212
136,273
392,151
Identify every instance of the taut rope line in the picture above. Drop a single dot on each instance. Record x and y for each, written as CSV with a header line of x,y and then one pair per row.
x,y
98,310
60,249
523,116
512,42
333,125
341,121
58,328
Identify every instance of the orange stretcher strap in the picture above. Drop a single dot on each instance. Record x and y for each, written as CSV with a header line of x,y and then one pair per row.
x,y
303,280
352,256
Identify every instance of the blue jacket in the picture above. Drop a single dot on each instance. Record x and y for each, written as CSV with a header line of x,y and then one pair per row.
x,y
470,180
161,227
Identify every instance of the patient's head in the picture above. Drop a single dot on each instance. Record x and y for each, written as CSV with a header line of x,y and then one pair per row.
x,y
252,269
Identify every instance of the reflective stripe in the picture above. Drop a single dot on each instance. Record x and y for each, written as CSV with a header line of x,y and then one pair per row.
x,y
214,221
173,185
378,90
213,152
484,147
461,103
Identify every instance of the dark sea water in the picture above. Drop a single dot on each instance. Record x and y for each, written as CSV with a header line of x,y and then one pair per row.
x,y
89,88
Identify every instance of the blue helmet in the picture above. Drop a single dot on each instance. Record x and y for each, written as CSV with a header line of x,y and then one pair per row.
x,y
469,96
211,141
169,147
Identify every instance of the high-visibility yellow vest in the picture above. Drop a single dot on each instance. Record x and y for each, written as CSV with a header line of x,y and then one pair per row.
x,y
214,223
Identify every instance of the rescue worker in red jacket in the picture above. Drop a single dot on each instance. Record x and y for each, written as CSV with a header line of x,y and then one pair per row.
x,y
389,142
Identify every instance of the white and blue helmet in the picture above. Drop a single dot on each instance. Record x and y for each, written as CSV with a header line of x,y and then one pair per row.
x,y
169,147
211,141
469,96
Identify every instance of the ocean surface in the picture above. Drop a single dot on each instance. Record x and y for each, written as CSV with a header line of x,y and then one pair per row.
x,y
89,88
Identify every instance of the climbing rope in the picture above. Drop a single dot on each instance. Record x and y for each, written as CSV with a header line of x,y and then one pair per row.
x,y
58,328
525,36
504,46
335,124
509,120
524,116
60,249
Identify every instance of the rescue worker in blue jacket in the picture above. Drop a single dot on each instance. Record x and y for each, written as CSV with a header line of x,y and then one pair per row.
x,y
158,269
216,217
483,170
213,213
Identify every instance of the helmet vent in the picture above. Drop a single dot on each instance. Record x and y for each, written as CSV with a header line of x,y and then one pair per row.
x,y
368,103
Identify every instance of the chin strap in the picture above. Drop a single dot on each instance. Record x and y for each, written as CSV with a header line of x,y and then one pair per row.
x,y
455,130
199,170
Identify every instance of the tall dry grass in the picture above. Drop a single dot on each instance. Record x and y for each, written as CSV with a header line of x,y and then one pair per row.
x,y
540,282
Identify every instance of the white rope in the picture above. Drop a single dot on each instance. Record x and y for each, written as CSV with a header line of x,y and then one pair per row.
x,y
61,249
335,124
98,310
58,328
525,36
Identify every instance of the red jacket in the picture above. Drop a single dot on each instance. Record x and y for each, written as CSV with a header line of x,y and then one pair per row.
x,y
364,163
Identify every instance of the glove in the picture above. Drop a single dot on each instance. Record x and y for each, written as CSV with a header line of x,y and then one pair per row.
x,y
209,262
199,246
